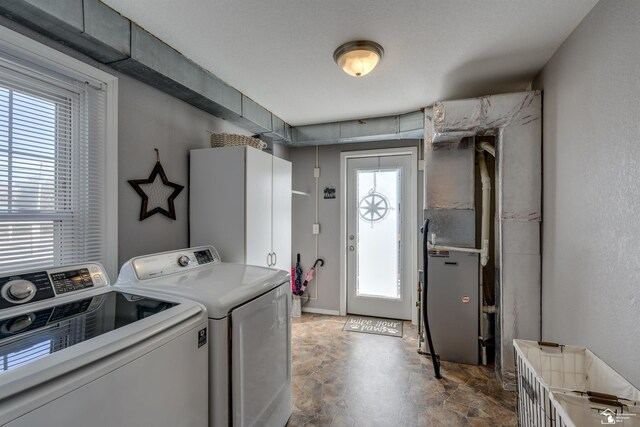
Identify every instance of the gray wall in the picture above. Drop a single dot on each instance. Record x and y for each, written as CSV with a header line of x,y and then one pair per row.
x,y
591,228
151,119
325,289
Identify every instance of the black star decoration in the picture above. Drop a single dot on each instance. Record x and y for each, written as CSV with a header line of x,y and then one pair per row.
x,y
156,189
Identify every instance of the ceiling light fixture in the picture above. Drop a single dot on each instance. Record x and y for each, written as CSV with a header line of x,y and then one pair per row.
x,y
358,58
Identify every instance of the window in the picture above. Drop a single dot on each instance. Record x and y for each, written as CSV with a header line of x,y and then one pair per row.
x,y
56,161
24,355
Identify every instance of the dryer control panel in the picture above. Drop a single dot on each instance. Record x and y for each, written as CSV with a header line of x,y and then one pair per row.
x,y
32,286
158,265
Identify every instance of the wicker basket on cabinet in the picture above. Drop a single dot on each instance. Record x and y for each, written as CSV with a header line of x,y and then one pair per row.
x,y
235,140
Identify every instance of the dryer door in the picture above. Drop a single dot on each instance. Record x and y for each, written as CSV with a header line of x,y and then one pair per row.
x,y
261,360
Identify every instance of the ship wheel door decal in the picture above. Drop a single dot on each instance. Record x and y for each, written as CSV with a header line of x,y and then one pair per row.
x,y
374,206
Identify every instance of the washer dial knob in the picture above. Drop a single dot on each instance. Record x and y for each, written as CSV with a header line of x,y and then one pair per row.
x,y
20,290
21,323
183,261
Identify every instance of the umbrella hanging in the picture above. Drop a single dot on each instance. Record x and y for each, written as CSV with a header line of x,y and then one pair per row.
x,y
309,276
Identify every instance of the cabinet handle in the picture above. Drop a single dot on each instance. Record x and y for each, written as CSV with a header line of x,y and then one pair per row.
x,y
275,258
269,260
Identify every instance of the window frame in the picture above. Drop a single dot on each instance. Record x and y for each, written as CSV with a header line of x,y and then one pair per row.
x,y
26,49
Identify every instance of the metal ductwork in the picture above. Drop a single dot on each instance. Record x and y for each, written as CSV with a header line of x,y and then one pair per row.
x,y
404,126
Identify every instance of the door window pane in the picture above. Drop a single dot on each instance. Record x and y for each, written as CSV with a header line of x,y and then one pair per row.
x,y
378,231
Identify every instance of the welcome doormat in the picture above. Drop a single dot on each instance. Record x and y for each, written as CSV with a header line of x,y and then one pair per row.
x,y
374,325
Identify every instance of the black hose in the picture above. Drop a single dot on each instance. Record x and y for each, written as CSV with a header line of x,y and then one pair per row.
x,y
425,249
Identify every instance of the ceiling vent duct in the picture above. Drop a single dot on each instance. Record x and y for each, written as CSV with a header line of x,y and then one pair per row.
x,y
403,126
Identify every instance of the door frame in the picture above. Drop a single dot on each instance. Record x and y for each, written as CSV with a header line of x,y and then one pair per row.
x,y
413,206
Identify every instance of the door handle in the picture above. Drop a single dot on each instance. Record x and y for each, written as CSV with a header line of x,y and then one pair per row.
x,y
351,237
352,248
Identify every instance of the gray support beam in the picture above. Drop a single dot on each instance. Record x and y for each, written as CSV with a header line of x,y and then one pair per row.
x,y
89,26
158,64
281,132
257,119
412,122
324,133
60,20
107,34
405,126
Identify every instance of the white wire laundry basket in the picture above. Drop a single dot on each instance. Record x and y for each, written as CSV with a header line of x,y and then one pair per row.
x,y
542,368
572,410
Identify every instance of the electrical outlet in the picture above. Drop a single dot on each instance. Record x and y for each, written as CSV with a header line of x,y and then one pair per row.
x,y
316,172
316,228
421,165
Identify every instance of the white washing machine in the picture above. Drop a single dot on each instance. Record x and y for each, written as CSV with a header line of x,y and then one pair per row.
x,y
77,352
249,324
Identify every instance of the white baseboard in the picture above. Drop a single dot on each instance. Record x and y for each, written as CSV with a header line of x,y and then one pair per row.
x,y
320,311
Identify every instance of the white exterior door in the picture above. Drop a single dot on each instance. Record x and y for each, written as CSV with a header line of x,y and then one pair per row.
x,y
281,214
379,249
258,208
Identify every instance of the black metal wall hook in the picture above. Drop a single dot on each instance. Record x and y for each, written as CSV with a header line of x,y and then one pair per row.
x,y
319,260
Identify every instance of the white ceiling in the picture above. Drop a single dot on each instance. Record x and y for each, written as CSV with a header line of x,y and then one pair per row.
x,y
279,52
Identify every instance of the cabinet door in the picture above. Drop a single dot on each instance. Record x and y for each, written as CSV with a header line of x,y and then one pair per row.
x,y
258,208
281,216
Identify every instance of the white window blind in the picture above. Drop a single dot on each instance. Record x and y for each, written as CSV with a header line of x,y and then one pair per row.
x,y
52,174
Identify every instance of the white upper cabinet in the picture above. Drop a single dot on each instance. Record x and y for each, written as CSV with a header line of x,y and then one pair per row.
x,y
281,213
240,202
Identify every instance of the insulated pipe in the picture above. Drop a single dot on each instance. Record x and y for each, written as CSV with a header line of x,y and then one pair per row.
x,y
433,247
486,209
484,145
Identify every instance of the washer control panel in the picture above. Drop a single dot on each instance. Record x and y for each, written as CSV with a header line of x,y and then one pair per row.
x,y
71,280
35,286
158,265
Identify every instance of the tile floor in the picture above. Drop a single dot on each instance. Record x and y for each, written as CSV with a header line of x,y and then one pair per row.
x,y
355,379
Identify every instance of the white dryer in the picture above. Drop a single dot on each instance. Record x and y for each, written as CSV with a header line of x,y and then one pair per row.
x,y
76,352
249,324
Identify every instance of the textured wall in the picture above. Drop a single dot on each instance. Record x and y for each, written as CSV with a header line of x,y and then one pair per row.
x,y
591,228
326,286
